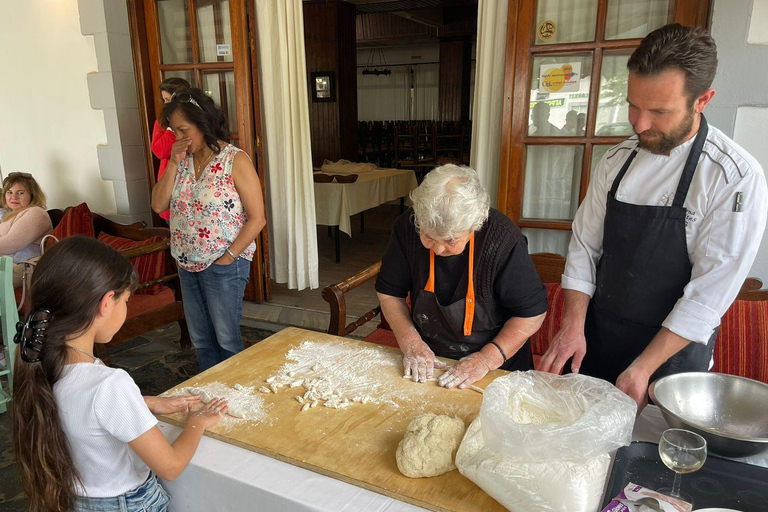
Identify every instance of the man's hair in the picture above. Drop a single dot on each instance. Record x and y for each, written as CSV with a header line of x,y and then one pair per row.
x,y
688,49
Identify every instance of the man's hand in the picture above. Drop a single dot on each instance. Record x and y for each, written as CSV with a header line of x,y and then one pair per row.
x,y
467,371
419,361
569,342
634,382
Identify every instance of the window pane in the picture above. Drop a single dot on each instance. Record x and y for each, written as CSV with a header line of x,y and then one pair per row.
x,y
547,240
559,86
187,75
565,21
174,31
221,87
552,180
612,107
597,154
213,31
628,19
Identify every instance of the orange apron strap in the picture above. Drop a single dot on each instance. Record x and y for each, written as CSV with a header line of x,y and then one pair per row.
x,y
430,287
469,305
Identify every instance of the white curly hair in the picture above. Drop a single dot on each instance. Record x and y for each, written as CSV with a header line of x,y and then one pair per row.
x,y
449,202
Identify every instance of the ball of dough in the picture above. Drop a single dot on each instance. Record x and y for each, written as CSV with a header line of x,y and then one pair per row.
x,y
429,445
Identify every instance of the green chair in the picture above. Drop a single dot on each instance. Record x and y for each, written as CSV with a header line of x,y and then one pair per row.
x,y
8,318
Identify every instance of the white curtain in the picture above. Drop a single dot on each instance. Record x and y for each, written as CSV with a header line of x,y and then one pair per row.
x,y
286,141
425,92
384,97
390,97
489,93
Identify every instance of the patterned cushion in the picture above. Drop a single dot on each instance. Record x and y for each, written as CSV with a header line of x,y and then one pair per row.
x,y
382,337
77,221
140,304
742,343
149,267
541,340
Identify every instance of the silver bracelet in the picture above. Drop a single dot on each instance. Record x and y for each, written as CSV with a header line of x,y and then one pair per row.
x,y
232,254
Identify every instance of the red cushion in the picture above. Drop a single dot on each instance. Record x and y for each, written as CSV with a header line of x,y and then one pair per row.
x,y
77,221
541,340
149,267
382,337
741,347
140,304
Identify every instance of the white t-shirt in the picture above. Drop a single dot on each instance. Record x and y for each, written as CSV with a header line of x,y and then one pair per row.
x,y
101,410
722,239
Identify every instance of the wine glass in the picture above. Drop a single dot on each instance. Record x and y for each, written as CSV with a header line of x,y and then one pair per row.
x,y
682,451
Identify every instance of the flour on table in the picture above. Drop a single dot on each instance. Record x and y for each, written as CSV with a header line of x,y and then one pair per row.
x,y
340,375
244,402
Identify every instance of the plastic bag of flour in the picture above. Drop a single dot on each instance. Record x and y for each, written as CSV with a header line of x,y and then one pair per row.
x,y
541,442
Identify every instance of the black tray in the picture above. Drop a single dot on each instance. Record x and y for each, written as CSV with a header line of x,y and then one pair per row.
x,y
719,483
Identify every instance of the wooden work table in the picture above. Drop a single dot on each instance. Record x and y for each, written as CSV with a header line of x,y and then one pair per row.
x,y
356,445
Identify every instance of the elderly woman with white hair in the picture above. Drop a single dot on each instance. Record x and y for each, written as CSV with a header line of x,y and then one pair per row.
x,y
475,294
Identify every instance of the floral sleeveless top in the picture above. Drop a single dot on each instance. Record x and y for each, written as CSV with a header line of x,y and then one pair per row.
x,y
206,215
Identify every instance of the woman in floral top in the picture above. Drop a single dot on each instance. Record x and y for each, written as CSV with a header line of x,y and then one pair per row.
x,y
217,211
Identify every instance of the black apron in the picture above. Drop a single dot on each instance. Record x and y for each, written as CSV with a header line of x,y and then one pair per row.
x,y
461,328
640,277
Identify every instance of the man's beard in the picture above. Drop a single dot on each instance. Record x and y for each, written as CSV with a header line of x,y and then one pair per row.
x,y
664,142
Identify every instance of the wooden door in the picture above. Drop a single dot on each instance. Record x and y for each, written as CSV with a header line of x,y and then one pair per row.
x,y
209,43
565,101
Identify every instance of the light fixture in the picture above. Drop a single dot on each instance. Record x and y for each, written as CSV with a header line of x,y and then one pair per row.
x,y
376,69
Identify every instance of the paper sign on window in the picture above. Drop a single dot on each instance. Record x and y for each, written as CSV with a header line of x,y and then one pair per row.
x,y
223,50
563,77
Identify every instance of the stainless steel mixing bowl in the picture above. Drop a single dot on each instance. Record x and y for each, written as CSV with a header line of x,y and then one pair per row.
x,y
730,412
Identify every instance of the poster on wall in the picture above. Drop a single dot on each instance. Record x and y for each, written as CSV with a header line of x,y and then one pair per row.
x,y
560,77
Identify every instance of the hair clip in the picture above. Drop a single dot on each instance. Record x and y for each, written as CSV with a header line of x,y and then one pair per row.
x,y
31,335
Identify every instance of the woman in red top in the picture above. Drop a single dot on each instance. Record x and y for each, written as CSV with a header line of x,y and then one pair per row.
x,y
162,136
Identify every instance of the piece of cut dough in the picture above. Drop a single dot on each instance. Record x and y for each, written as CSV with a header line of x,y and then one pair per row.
x,y
429,445
205,397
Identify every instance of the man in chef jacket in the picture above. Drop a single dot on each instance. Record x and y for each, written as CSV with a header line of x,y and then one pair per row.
x,y
667,232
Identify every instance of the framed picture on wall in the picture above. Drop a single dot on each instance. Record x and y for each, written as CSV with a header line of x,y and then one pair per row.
x,y
322,85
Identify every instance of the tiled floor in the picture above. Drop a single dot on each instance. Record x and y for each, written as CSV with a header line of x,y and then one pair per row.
x,y
307,308
155,362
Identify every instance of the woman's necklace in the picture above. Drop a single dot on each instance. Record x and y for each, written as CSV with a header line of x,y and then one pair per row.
x,y
200,168
86,353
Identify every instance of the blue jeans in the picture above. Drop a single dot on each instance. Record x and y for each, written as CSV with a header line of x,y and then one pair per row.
x,y
213,307
148,497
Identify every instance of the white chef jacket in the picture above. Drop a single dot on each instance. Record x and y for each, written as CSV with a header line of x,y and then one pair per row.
x,y
722,243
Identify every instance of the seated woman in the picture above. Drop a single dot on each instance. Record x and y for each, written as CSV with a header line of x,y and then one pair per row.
x,y
478,301
26,222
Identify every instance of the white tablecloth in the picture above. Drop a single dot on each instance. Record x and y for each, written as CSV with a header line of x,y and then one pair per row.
x,y
336,202
226,478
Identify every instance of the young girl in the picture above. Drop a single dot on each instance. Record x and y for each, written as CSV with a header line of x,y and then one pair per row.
x,y
85,439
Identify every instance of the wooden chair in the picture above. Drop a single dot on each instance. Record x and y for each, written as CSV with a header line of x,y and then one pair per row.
x,y
8,318
146,311
549,267
742,342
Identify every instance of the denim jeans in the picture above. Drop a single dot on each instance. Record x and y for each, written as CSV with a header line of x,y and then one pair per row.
x,y
148,497
213,307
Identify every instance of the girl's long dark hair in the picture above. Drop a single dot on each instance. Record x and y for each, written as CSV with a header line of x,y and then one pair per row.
x,y
69,282
208,118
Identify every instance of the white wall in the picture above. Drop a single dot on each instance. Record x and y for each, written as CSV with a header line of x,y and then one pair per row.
x,y
740,107
47,125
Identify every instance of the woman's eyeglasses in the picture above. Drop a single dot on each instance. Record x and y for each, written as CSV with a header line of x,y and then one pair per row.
x,y
185,97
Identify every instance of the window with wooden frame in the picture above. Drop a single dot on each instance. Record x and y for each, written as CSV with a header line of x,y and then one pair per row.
x,y
565,101
194,42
